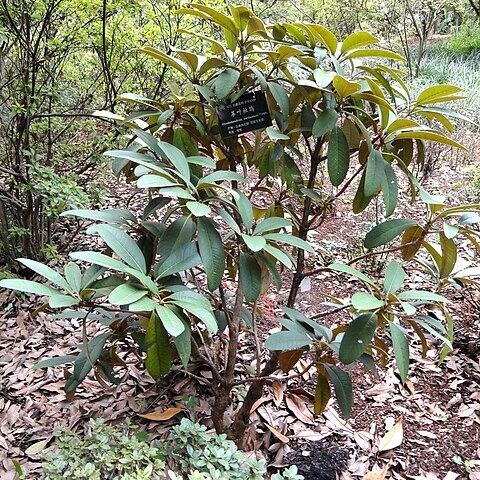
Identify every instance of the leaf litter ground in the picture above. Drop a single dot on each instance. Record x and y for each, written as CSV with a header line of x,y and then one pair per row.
x,y
427,429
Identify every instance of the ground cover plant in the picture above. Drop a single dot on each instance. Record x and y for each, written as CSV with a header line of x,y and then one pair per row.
x,y
122,452
224,215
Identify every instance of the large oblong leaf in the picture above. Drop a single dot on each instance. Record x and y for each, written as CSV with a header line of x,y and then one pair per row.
x,y
401,350
287,340
374,173
365,301
45,271
289,240
172,323
342,385
325,122
394,277
158,361
28,286
250,276
389,185
357,337
338,156
179,260
123,245
126,294
212,252
387,231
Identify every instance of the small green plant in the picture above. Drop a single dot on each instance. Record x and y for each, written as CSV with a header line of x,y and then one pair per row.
x,y
105,451
122,452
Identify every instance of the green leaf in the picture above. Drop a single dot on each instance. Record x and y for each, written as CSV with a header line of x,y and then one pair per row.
x,y
100,259
177,158
152,180
281,97
389,189
73,276
253,242
126,294
82,364
176,236
199,209
279,254
153,205
158,361
344,87
342,385
365,301
325,122
28,286
322,395
123,245
387,231
450,230
179,260
374,173
220,176
394,277
271,268
274,135
212,253
422,295
225,82
338,157
183,343
401,350
245,209
436,93
375,52
55,361
339,267
272,223
357,337
323,35
250,276
449,255
287,340
172,323
323,78
112,215
62,301
289,240
432,136
46,272
358,40
204,314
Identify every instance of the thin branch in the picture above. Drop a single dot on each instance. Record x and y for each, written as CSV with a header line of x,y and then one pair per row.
x,y
273,378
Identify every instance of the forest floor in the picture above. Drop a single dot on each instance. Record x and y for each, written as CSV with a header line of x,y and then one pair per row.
x,y
427,429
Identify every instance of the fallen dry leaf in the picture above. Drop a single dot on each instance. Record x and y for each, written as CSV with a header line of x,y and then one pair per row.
x,y
37,447
393,438
283,438
451,476
378,474
161,416
278,390
297,406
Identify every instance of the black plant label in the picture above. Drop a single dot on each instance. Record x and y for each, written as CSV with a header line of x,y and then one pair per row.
x,y
249,112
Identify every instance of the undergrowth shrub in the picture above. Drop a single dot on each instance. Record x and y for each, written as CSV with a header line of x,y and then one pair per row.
x,y
122,452
466,40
